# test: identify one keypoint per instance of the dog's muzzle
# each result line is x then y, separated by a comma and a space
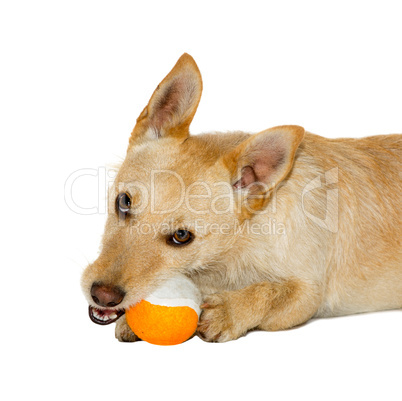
107, 297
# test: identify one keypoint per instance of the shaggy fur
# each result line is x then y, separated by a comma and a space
330, 208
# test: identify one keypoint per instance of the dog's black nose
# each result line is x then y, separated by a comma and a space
107, 296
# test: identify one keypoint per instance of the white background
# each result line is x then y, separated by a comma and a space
74, 77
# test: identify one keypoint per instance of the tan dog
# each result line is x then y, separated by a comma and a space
274, 228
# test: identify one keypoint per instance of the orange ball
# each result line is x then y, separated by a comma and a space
162, 325
168, 316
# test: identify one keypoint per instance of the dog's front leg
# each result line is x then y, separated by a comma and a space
123, 332
267, 306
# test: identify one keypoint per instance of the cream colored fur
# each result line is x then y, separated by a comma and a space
333, 207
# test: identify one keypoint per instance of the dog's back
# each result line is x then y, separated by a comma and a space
365, 271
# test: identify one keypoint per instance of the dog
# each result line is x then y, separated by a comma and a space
274, 228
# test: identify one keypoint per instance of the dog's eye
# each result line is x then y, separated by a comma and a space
123, 203
180, 237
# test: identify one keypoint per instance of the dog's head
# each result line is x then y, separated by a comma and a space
177, 199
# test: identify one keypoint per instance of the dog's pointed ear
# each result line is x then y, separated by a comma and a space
262, 161
172, 105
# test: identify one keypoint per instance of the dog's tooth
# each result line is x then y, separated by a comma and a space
104, 317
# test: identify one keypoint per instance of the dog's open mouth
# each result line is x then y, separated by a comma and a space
104, 316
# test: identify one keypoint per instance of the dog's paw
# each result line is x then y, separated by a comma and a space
123, 332
218, 321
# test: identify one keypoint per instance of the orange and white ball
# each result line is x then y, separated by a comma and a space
169, 315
